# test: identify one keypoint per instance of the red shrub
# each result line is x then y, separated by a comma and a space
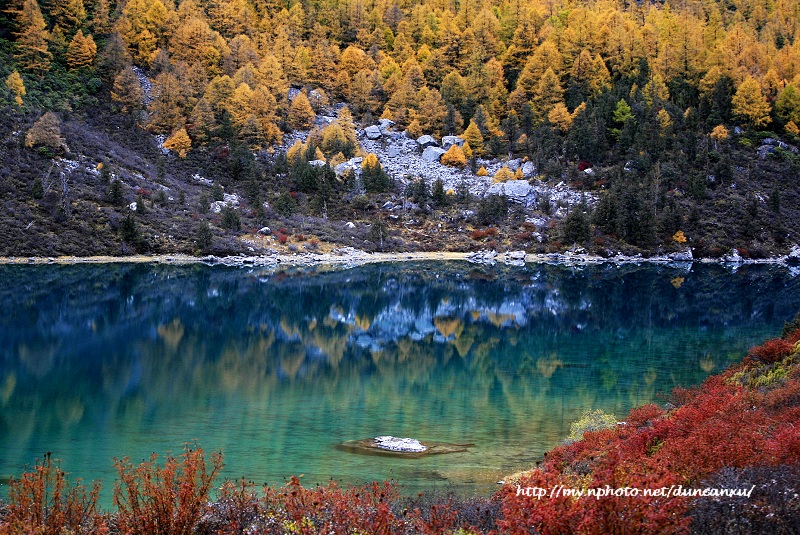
299, 237
772, 350
164, 500
282, 238
43, 502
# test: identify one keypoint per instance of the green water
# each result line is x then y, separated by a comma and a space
276, 368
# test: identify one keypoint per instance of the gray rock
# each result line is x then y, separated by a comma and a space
373, 132
514, 164
794, 255
432, 154
350, 225
385, 124
394, 151
733, 257
132, 206
517, 191
388, 205
265, 230
449, 141
516, 255
317, 163
426, 141
682, 256
528, 169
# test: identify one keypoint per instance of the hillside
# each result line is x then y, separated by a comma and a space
616, 127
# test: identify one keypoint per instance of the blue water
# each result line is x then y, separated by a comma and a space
275, 368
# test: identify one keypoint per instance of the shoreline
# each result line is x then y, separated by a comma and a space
354, 257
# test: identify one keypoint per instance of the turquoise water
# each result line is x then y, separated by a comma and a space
276, 368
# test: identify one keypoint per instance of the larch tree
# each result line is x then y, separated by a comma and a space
32, 53
548, 93
166, 109
179, 142
68, 14
472, 135
81, 51
750, 104
127, 91
45, 131
787, 105
17, 86
301, 115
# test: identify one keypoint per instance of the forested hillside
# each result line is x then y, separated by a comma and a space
679, 120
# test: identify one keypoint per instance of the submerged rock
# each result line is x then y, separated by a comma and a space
402, 447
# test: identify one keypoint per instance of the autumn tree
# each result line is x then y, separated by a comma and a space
17, 86
166, 109
750, 104
68, 14
179, 142
127, 90
301, 115
454, 157
472, 136
787, 105
46, 131
32, 53
81, 51
719, 133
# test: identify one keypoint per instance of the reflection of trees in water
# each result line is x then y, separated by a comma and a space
137, 342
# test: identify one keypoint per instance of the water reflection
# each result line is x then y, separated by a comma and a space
276, 368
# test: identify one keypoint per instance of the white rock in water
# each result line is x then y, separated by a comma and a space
132, 206
391, 443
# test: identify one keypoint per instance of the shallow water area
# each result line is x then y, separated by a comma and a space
276, 367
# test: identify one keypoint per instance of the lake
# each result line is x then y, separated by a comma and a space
276, 367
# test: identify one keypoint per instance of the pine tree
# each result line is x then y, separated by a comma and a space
81, 51
32, 53
15, 83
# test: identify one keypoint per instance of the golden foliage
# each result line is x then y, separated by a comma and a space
454, 157
17, 86
482, 171
750, 104
679, 237
127, 90
81, 51
503, 174
301, 115
179, 142
45, 131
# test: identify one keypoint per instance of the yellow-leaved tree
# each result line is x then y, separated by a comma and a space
17, 86
301, 115
179, 142
750, 104
454, 157
81, 51
32, 53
